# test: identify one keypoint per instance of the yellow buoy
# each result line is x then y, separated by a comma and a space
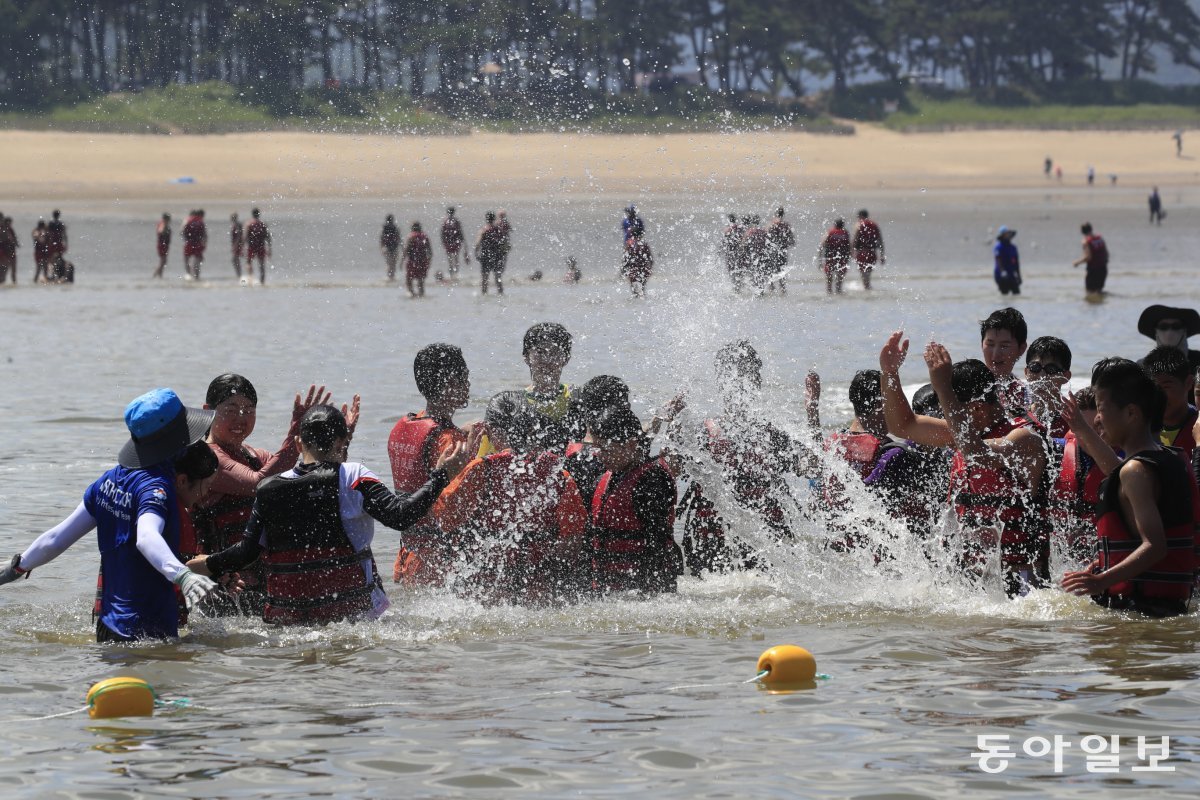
120, 697
787, 664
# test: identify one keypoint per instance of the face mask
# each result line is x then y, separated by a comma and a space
1171, 337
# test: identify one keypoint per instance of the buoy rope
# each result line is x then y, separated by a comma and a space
48, 716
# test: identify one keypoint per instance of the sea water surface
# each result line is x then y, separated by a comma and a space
446, 698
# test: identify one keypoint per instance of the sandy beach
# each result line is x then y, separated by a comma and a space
264, 166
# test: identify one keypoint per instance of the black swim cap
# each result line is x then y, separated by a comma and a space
226, 386
321, 426
509, 415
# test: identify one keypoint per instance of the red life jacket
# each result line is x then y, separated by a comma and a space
992, 513
756, 242
837, 246
314, 573
860, 450
749, 473
1073, 499
193, 230
867, 238
1171, 579
510, 539
626, 556
638, 261
1185, 440
1097, 251
417, 249
452, 234
491, 242
410, 449
256, 235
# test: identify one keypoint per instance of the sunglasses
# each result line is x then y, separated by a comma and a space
1050, 369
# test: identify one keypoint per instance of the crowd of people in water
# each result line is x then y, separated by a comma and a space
50, 245
561, 493
248, 242
491, 248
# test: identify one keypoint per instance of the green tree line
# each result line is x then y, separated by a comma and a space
777, 47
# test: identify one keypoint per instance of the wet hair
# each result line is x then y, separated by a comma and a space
925, 402
254, 212
1051, 347
450, 211
972, 381
1167, 361
416, 227
779, 212
866, 392
166, 215
490, 216
547, 333
390, 218
1085, 228
839, 223
509, 415
1128, 384
321, 426
733, 219
1005, 319
862, 213
56, 213
435, 366
601, 393
200, 211
41, 223
739, 358
1085, 398
616, 425
226, 386
197, 462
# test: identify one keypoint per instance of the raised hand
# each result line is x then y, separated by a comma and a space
941, 367
315, 397
350, 412
894, 351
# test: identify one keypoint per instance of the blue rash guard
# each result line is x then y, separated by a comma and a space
137, 601
1008, 262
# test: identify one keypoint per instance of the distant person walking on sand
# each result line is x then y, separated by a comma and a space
1091, 175
56, 235
1178, 137
41, 253
489, 252
638, 263
834, 255
780, 239
8, 249
162, 243
868, 246
1047, 166
195, 240
732, 245
258, 245
237, 240
1095, 255
1007, 269
754, 240
418, 253
452, 241
505, 228
1156, 208
389, 245
631, 224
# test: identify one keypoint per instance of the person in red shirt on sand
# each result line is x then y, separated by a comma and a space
868, 247
835, 255
258, 245
418, 253
162, 243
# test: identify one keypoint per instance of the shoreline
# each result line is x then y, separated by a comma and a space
281, 165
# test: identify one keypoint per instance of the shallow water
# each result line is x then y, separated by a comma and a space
446, 698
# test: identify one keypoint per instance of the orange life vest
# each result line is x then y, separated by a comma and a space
625, 555
410, 450
1073, 499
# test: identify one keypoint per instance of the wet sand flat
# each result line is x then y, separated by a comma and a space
263, 166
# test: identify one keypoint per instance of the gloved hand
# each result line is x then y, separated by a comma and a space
194, 587
13, 570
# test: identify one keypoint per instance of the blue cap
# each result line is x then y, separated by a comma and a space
150, 413
160, 426
1005, 229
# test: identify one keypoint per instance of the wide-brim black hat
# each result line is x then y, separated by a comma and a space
1153, 315
185, 429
